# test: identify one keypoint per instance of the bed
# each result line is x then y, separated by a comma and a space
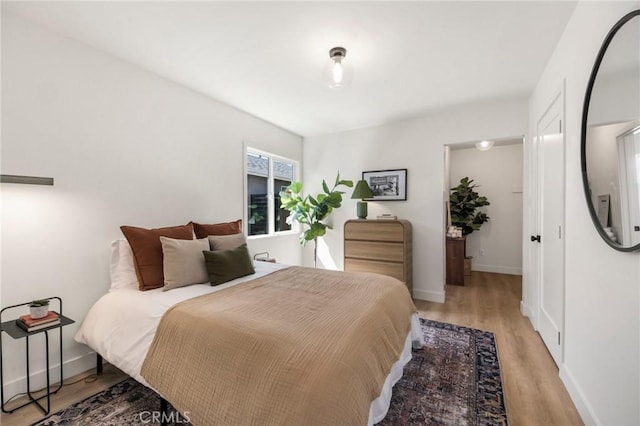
133, 330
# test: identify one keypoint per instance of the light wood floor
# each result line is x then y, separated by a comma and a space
533, 390
69, 394
534, 393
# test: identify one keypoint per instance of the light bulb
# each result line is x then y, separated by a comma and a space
484, 145
338, 73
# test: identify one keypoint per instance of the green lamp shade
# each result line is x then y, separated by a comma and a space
362, 190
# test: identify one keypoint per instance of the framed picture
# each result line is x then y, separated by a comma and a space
387, 185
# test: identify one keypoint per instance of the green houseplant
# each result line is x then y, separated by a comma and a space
312, 211
465, 203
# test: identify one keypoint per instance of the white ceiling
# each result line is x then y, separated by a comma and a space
267, 58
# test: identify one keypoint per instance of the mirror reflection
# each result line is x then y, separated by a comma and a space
612, 140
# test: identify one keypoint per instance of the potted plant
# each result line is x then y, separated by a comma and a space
465, 204
39, 308
311, 211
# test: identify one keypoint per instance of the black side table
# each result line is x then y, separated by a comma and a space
12, 329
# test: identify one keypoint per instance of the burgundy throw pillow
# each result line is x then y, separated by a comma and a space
225, 228
147, 251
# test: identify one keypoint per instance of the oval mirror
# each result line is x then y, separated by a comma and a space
610, 145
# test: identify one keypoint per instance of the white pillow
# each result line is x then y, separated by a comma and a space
183, 262
123, 272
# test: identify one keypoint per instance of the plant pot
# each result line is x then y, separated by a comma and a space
38, 311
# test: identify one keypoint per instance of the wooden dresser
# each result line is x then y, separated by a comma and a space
381, 246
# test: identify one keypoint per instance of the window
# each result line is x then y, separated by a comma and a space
267, 175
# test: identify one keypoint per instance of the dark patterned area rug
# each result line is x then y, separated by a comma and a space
453, 380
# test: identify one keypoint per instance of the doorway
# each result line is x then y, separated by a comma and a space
498, 173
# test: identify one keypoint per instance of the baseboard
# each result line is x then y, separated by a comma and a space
509, 270
526, 311
577, 396
431, 296
39, 378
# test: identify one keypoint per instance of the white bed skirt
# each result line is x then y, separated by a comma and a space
380, 405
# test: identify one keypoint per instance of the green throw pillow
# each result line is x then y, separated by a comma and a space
227, 265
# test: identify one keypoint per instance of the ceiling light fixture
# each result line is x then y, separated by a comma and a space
339, 72
484, 145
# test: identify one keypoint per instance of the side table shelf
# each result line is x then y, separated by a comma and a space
14, 331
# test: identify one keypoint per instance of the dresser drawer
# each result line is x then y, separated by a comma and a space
395, 270
374, 231
379, 246
390, 252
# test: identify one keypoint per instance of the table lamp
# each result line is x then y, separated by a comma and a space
361, 192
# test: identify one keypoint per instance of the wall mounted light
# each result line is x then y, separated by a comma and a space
484, 145
29, 180
339, 73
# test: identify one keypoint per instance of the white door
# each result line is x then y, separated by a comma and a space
550, 215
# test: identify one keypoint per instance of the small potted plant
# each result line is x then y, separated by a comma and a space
39, 308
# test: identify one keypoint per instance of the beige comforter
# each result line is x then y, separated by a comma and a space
297, 347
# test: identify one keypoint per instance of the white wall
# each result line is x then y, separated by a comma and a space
417, 145
601, 367
124, 147
497, 246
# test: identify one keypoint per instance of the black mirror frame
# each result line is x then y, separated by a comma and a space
583, 137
